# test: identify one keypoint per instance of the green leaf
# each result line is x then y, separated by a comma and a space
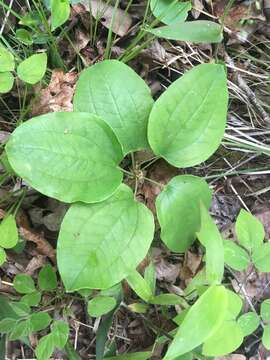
71, 352
178, 210
60, 10
20, 309
8, 232
139, 285
249, 230
47, 279
109, 239
166, 299
131, 356
71, 156
3, 256
138, 308
225, 340
6, 82
266, 337
7, 62
115, 92
101, 305
248, 322
188, 121
45, 347
150, 276
24, 284
60, 332
234, 256
235, 305
31, 299
207, 313
24, 36
199, 31
261, 257
170, 11
211, 239
20, 330
32, 69
265, 310
39, 321
7, 325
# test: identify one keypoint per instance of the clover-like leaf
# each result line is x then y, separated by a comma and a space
8, 232
100, 305
24, 284
249, 322
100, 244
7, 62
249, 230
211, 239
199, 31
170, 11
32, 69
68, 156
6, 82
115, 92
47, 279
60, 332
178, 210
235, 256
187, 122
261, 257
208, 314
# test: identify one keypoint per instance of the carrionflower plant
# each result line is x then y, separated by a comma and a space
76, 158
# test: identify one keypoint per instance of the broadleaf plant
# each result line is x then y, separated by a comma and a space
76, 157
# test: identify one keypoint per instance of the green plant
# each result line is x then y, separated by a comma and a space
75, 157
31, 70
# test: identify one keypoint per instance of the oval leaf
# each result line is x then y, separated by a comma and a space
234, 256
100, 305
199, 31
110, 239
24, 284
7, 62
188, 121
47, 279
33, 68
115, 92
60, 10
249, 230
208, 314
178, 210
6, 82
265, 310
261, 257
248, 322
170, 11
67, 156
8, 232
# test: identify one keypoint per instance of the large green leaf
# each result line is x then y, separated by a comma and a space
32, 69
115, 92
100, 244
200, 323
68, 156
211, 239
199, 31
188, 121
249, 230
170, 11
178, 210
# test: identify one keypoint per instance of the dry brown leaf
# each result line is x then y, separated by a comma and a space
58, 95
104, 12
192, 261
166, 271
